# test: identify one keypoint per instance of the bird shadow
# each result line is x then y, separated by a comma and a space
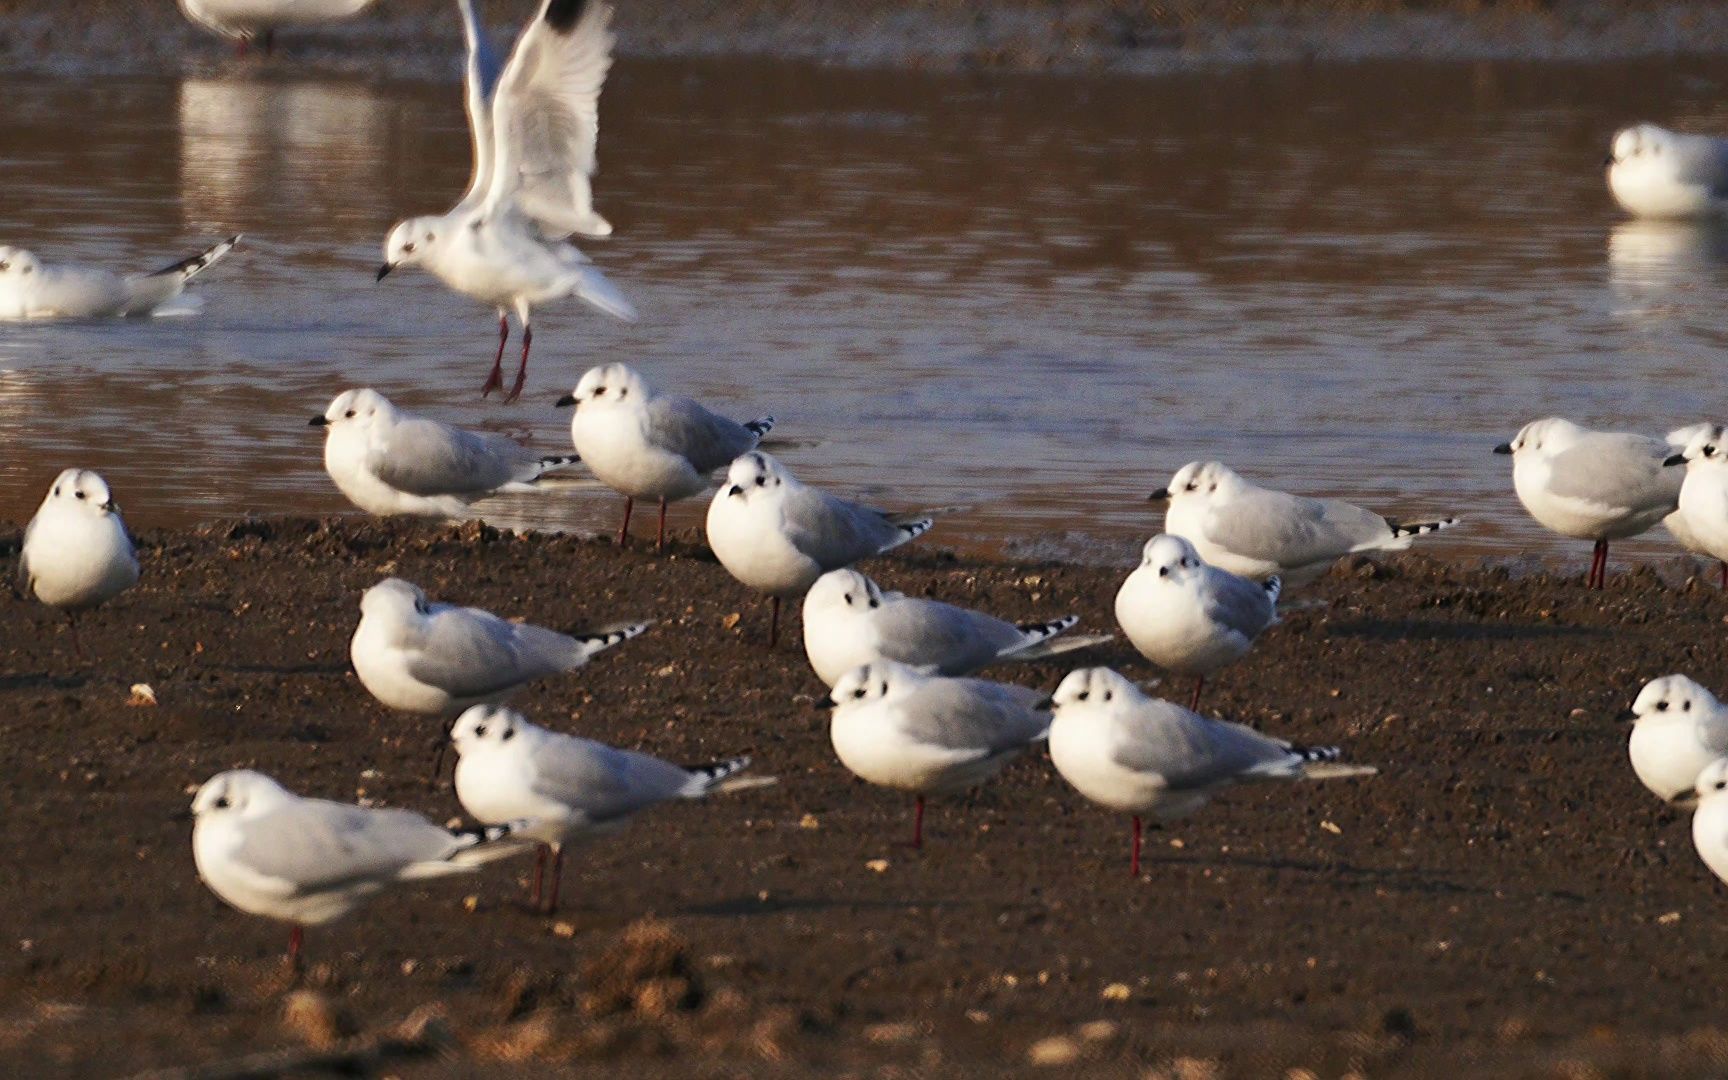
1453, 630
775, 905
43, 681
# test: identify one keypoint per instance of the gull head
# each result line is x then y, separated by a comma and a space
1672, 696
1639, 140
1197, 481
17, 265
1171, 556
1093, 687
608, 384
410, 241
1713, 781
356, 410
395, 600
238, 793
81, 491
490, 726
878, 681
843, 591
1706, 447
753, 475
1542, 438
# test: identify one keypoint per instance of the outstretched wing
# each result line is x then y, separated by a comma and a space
546, 118
480, 80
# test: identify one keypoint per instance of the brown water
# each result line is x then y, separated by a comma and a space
1039, 295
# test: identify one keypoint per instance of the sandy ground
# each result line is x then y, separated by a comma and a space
1504, 899
420, 38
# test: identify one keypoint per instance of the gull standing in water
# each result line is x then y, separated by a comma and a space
534, 127
1657, 173
1679, 526
32, 289
258, 20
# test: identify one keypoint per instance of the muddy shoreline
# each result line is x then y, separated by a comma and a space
419, 37
1505, 898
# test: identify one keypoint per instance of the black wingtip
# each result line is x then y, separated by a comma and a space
562, 15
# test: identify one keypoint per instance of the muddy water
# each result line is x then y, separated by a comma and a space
1038, 295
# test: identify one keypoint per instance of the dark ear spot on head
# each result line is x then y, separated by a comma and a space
509, 733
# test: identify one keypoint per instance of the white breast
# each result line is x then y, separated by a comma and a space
1168, 625
1667, 755
748, 540
610, 442
77, 560
837, 641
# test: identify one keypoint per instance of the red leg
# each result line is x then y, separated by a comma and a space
918, 824
269, 42
522, 368
1194, 702
296, 938
540, 853
557, 879
774, 622
624, 529
1599, 567
1134, 859
660, 541
240, 47
495, 381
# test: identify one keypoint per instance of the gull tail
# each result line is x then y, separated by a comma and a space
760, 427
717, 777
907, 531
532, 470
1403, 532
1322, 763
147, 292
595, 288
1039, 641
475, 848
594, 641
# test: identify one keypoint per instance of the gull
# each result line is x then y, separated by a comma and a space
1678, 728
1256, 532
1130, 752
29, 289
438, 659
249, 20
1677, 524
1710, 823
534, 128
647, 445
1188, 617
307, 862
778, 536
1657, 173
898, 727
849, 620
388, 461
508, 769
1592, 485
76, 553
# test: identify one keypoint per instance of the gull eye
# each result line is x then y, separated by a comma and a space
509, 733
599, 391
884, 688
875, 603
1661, 706
79, 494
1191, 486
480, 730
1686, 706
56, 492
222, 803
349, 414
431, 237
848, 599
1720, 784
1106, 695
1709, 451
1082, 695
1163, 571
408, 247
5, 266
858, 692
622, 391
761, 481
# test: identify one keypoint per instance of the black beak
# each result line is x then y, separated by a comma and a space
823, 702
1676, 459
1161, 495
734, 490
1627, 716
384, 271
111, 507
565, 402
318, 421
1045, 704
1503, 448
1607, 161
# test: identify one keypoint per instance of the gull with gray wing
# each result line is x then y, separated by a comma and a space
508, 769
1152, 758
900, 728
76, 553
390, 461
32, 289
647, 445
1657, 173
1678, 728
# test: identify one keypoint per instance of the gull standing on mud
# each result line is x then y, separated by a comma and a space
1592, 485
258, 20
1700, 522
534, 129
849, 621
647, 445
30, 289
307, 862
389, 461
1676, 523
508, 769
1130, 752
1710, 822
1188, 617
1678, 728
76, 552
438, 659
1657, 173
927, 734
1257, 533
778, 536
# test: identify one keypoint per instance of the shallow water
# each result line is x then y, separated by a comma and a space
1036, 294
